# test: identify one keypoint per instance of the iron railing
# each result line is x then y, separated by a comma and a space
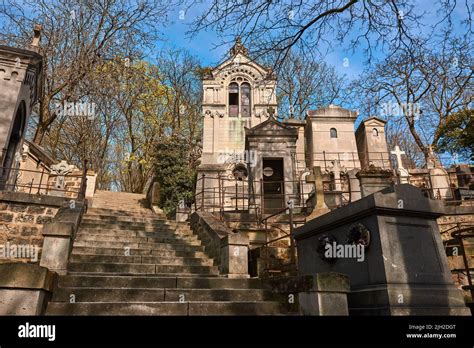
16, 179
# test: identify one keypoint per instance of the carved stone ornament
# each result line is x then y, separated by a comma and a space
324, 240
359, 234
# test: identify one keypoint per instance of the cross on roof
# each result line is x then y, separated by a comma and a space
398, 153
271, 111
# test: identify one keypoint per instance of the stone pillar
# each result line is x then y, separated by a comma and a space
56, 246
326, 294
58, 237
373, 180
354, 184
440, 183
234, 256
25, 288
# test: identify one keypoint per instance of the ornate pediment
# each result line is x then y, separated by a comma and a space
374, 122
271, 127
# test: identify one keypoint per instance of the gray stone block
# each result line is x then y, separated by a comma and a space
405, 268
24, 288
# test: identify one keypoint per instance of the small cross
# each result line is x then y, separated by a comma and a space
271, 111
337, 169
398, 153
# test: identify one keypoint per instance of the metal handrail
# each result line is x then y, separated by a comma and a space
41, 188
460, 235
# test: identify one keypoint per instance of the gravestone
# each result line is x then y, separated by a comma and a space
60, 170
402, 172
182, 211
373, 179
403, 269
354, 184
439, 177
333, 197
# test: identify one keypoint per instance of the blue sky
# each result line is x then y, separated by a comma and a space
203, 45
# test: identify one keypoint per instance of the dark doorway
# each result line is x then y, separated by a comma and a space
13, 145
273, 185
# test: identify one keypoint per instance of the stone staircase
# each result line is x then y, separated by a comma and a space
130, 261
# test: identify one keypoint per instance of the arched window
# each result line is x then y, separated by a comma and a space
245, 99
333, 133
375, 132
233, 99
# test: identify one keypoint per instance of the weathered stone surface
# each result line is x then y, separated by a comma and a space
17, 208
22, 302
234, 256
5, 217
43, 219
23, 218
36, 209
58, 237
405, 255
25, 276
145, 279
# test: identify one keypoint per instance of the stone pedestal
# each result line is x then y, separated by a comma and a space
317, 294
403, 175
57, 246
354, 184
58, 237
182, 213
440, 183
333, 199
325, 295
374, 180
234, 256
404, 270
25, 288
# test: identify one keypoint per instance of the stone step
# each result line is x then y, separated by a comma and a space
133, 227
80, 250
162, 275
125, 218
120, 212
137, 233
171, 308
127, 268
101, 238
127, 222
131, 295
176, 261
117, 281
154, 246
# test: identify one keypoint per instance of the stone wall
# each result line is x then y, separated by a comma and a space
22, 217
463, 215
72, 184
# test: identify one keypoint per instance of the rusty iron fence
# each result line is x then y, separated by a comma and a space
16, 179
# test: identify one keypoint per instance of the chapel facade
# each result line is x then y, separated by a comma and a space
248, 152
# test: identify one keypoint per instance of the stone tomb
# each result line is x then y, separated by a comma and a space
404, 270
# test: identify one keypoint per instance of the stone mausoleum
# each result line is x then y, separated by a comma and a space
244, 142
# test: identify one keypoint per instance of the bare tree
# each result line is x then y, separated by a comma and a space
279, 26
423, 86
305, 83
76, 37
